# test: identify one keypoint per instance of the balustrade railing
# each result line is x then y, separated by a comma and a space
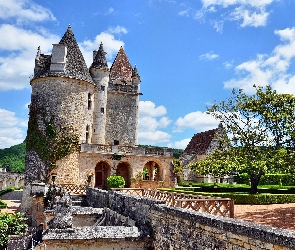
74, 189
208, 204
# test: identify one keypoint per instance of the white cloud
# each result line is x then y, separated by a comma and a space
149, 124
179, 144
183, 13
117, 30
249, 17
21, 46
24, 10
218, 26
11, 132
109, 11
228, 64
148, 108
269, 69
198, 121
248, 12
208, 56
110, 44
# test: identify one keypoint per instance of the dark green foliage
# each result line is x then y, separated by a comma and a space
3, 204
13, 158
268, 179
177, 153
11, 224
266, 196
115, 181
258, 199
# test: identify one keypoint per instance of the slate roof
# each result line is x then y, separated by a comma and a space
100, 61
121, 67
135, 73
75, 63
200, 142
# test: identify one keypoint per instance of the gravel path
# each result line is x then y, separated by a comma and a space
276, 215
13, 200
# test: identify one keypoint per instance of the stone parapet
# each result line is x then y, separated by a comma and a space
186, 229
98, 148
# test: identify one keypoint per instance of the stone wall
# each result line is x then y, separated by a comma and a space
185, 229
8, 179
177, 228
121, 122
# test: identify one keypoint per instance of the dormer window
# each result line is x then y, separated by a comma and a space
89, 101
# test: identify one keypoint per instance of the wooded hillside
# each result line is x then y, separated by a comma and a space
13, 158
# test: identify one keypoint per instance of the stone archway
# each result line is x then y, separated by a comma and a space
124, 170
155, 172
102, 172
21, 183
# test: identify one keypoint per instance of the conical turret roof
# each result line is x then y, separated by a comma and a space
75, 64
100, 61
121, 68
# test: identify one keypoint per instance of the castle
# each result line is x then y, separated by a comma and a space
100, 106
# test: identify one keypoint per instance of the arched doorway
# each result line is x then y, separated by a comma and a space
102, 172
124, 170
154, 172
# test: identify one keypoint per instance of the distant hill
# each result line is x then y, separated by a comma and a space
13, 158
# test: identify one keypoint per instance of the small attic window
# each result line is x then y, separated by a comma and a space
116, 142
89, 101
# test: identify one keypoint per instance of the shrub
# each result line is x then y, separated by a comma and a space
115, 181
11, 224
3, 204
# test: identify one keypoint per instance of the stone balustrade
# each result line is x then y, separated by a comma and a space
99, 148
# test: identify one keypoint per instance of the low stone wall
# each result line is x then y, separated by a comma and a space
93, 238
177, 228
187, 229
136, 208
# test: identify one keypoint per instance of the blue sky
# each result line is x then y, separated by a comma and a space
188, 53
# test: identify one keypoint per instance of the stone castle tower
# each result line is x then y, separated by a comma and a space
100, 106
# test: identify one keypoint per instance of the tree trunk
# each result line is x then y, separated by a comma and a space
254, 183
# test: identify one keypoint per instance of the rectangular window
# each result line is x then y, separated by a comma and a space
102, 110
116, 142
102, 88
89, 101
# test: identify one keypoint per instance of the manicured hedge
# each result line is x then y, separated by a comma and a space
258, 199
268, 179
245, 198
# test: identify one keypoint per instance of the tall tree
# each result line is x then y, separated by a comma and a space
260, 131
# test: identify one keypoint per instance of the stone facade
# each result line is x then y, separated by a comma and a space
8, 179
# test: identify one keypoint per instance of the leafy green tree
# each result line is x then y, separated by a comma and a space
260, 135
